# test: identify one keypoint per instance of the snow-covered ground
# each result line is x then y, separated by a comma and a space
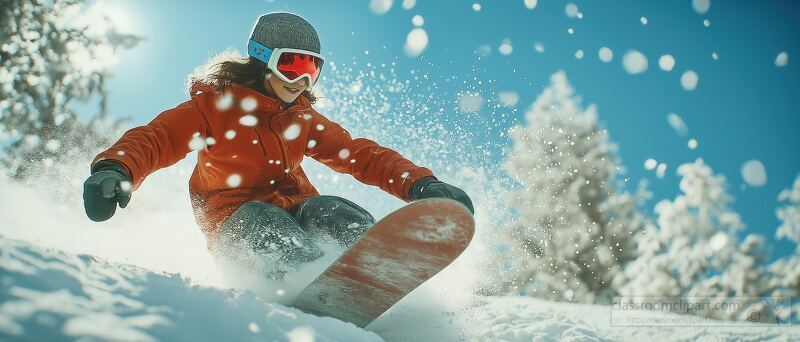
52, 295
146, 274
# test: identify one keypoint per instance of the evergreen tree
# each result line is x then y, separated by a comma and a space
695, 251
785, 272
574, 231
52, 54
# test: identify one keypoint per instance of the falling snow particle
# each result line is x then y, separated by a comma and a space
417, 20
605, 54
782, 59
643, 20
210, 141
531, 4
355, 87
539, 47
234, 180
404, 175
714, 56
754, 173
707, 23
197, 143
571, 10
249, 104
344, 153
408, 4
320, 127
689, 80
120, 153
634, 62
570, 31
505, 47
248, 120
470, 102
230, 134
416, 42
476, 7
224, 102
692, 144
59, 119
661, 170
254, 328
292, 132
509, 98
311, 143
677, 123
579, 54
701, 6
52, 145
380, 7
666, 62
650, 164
125, 186
280, 292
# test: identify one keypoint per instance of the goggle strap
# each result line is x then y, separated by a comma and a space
259, 51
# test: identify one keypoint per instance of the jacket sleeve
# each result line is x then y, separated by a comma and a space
364, 159
162, 142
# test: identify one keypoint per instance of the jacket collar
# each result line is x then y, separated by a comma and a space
263, 103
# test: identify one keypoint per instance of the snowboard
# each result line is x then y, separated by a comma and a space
395, 256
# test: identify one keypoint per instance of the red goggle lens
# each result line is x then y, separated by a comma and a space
293, 65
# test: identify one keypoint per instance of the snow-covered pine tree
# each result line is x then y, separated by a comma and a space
785, 272
52, 53
789, 214
695, 251
573, 231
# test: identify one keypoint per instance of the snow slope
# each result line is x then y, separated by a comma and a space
52, 290
51, 295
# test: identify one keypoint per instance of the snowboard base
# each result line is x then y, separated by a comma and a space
396, 255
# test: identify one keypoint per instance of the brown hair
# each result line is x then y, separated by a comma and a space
229, 67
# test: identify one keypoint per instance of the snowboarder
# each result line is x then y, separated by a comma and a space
251, 120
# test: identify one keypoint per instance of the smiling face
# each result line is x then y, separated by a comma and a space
286, 91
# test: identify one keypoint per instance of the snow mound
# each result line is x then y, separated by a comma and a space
48, 295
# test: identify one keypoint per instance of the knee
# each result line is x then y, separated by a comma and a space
256, 214
257, 209
330, 205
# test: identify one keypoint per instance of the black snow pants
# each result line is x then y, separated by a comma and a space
269, 229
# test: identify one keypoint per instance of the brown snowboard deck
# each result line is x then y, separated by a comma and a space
399, 253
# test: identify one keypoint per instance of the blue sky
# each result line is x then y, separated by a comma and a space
743, 108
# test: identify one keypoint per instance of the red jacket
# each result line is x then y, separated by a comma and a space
250, 148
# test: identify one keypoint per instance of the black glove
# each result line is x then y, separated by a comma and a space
430, 187
108, 185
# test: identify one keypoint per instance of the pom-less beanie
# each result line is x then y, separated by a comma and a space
285, 30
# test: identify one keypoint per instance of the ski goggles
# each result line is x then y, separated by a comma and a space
290, 65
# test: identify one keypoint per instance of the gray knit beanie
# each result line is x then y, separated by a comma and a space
285, 30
